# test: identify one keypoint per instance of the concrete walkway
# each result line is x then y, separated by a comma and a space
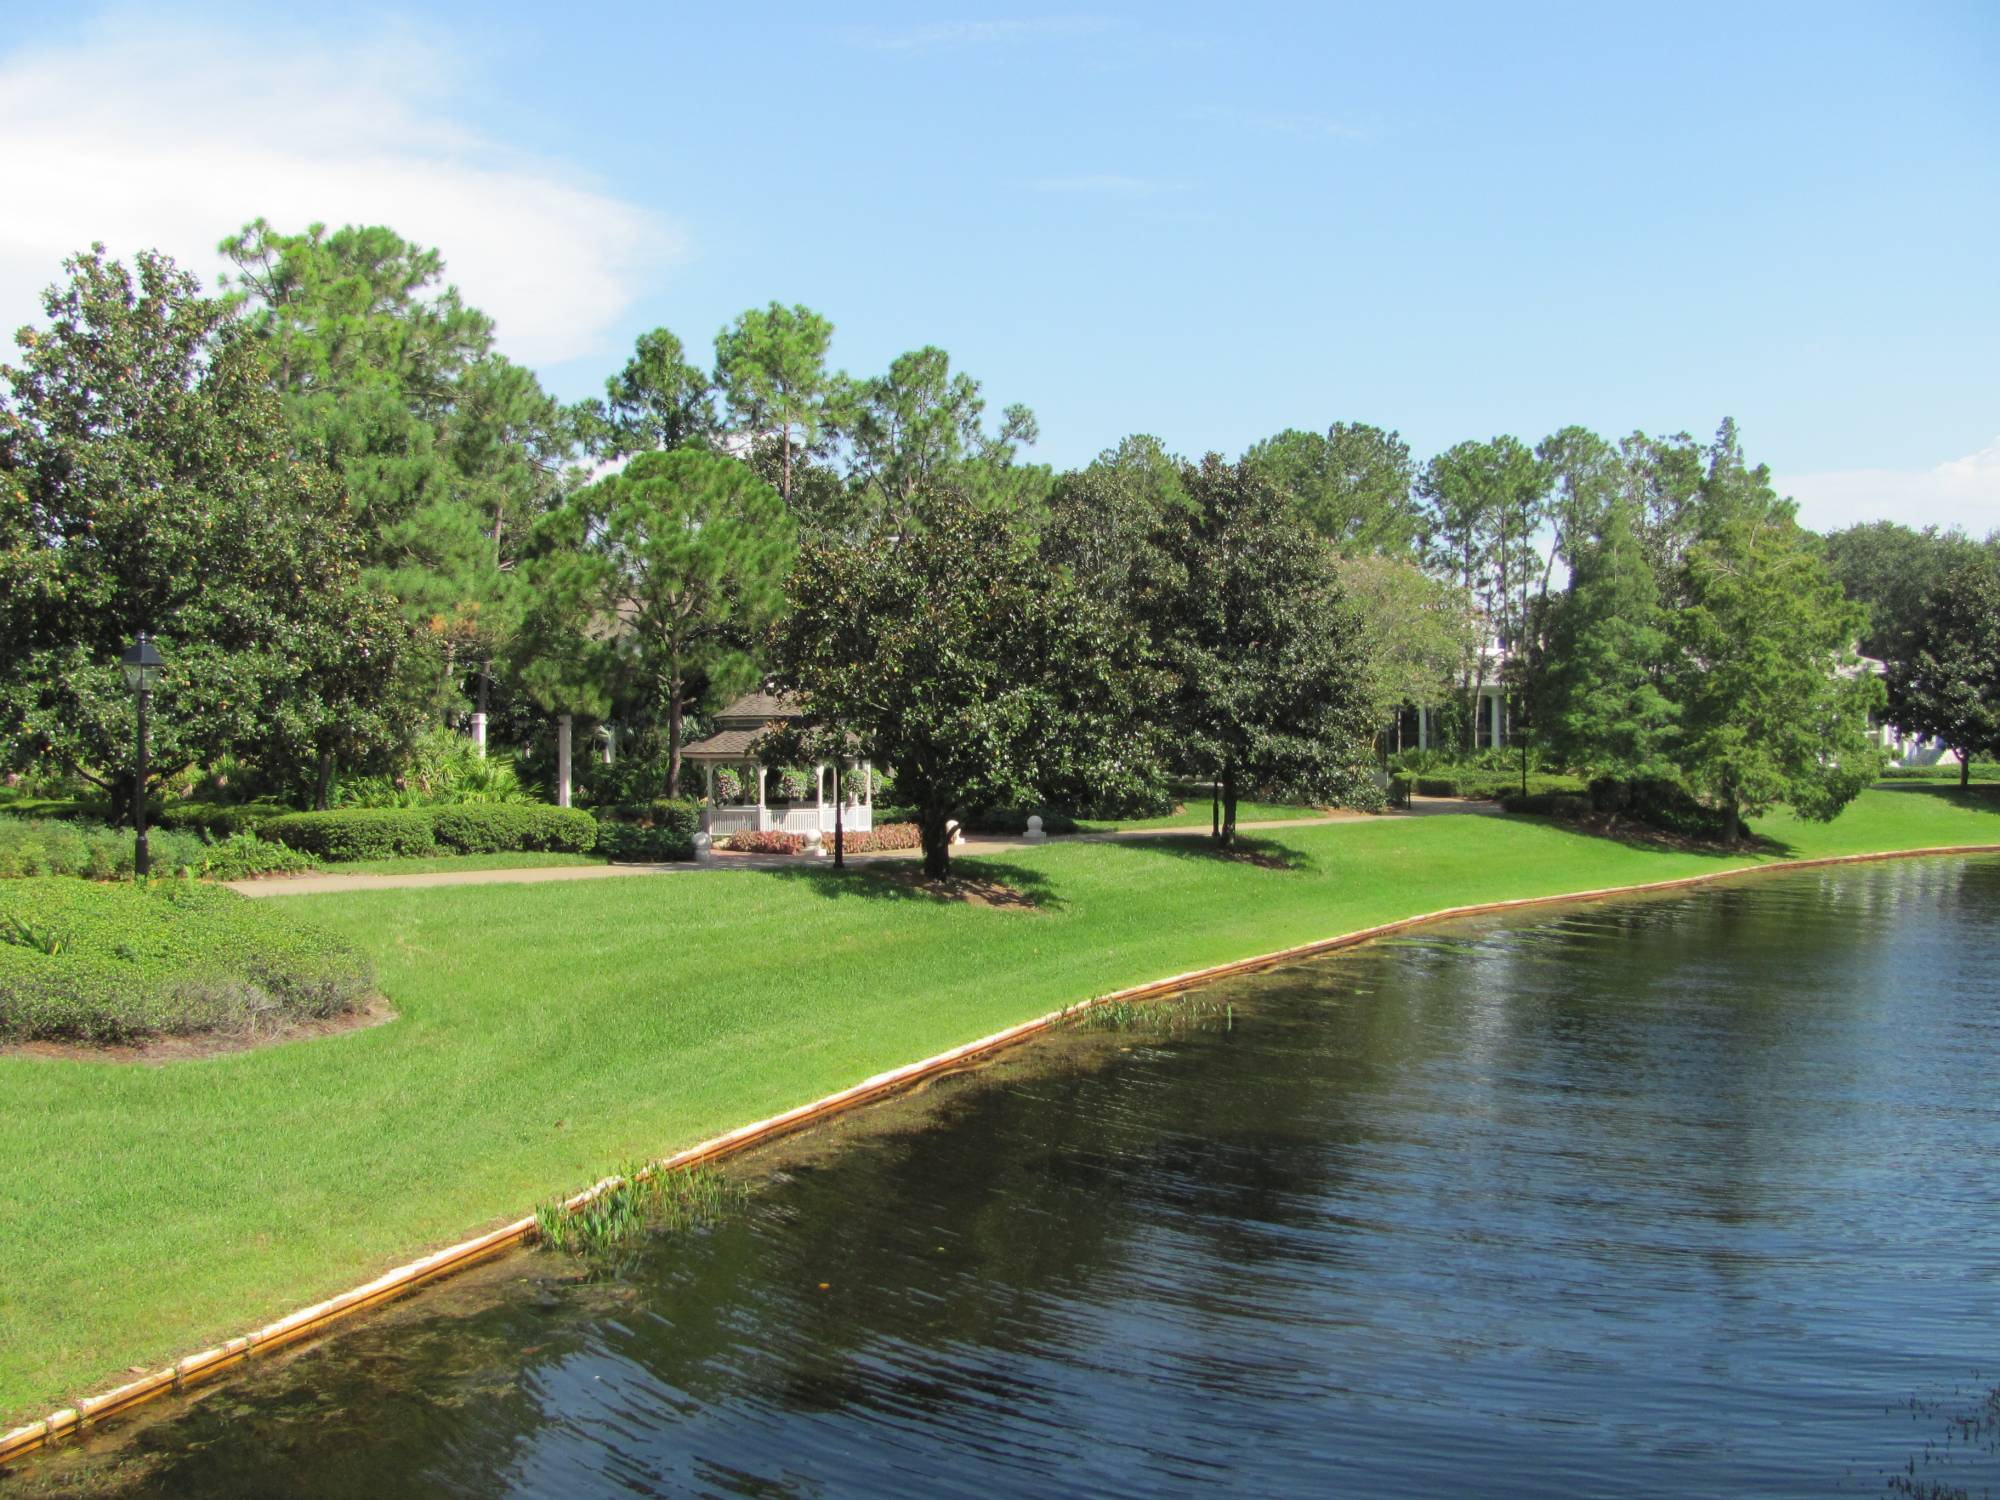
974, 845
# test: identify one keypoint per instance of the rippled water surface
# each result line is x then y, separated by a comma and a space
1673, 1197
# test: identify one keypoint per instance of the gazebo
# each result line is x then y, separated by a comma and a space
738, 728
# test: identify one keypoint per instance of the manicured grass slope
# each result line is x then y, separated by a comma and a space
548, 1032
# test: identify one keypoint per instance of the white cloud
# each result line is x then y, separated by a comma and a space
1961, 492
144, 137
1111, 184
976, 33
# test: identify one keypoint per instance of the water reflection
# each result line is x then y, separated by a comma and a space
1687, 1195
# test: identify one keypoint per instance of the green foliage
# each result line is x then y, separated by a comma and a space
148, 482
113, 963
657, 401
920, 426
358, 833
1267, 658
686, 552
651, 833
493, 828
215, 819
36, 846
770, 366
441, 769
1949, 686
955, 656
1352, 486
1601, 702
1761, 631
1894, 570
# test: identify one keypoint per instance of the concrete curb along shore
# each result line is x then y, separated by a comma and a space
309, 1321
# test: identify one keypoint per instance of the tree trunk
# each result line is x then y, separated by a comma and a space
563, 722
839, 823
323, 782
674, 738
1964, 768
934, 825
1229, 804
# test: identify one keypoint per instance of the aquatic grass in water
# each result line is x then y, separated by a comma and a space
1175, 1014
640, 1200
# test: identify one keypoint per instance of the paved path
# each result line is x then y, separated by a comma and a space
322, 884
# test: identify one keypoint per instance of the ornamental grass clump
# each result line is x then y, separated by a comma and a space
86, 962
641, 1199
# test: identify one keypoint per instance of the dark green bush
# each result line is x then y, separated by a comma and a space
355, 833
1664, 805
217, 819
1013, 821
1565, 806
643, 844
110, 963
498, 827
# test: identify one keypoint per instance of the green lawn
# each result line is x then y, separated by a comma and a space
438, 864
548, 1032
1195, 814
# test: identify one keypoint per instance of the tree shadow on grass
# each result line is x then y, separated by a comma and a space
977, 882
1982, 796
1635, 835
1258, 853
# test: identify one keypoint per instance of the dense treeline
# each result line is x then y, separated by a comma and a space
355, 524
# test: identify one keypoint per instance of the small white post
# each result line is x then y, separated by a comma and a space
1496, 720
819, 796
704, 849
563, 722
1034, 835
479, 735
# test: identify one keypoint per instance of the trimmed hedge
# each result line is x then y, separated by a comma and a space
112, 963
1982, 770
496, 827
356, 833
461, 828
1488, 786
1563, 806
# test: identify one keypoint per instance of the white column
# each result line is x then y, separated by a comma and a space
868, 784
562, 759
763, 814
479, 735
819, 797
1496, 721
1423, 728
707, 795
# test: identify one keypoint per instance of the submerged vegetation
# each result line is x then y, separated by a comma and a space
1187, 1011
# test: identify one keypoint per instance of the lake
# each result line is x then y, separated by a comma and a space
1670, 1196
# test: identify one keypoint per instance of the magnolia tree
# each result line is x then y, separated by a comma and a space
954, 656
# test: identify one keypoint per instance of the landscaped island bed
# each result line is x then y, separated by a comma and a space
548, 1032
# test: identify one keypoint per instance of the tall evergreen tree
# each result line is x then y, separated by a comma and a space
1602, 705
770, 365
1352, 485
1767, 715
659, 400
679, 561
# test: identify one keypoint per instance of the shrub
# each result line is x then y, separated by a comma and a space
1982, 770
1014, 820
355, 833
244, 855
1664, 805
217, 819
111, 963
886, 836
767, 841
45, 846
1569, 807
493, 828
642, 843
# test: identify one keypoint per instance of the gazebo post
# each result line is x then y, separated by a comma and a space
763, 813
707, 796
819, 798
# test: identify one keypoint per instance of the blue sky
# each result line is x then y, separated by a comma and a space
1205, 225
